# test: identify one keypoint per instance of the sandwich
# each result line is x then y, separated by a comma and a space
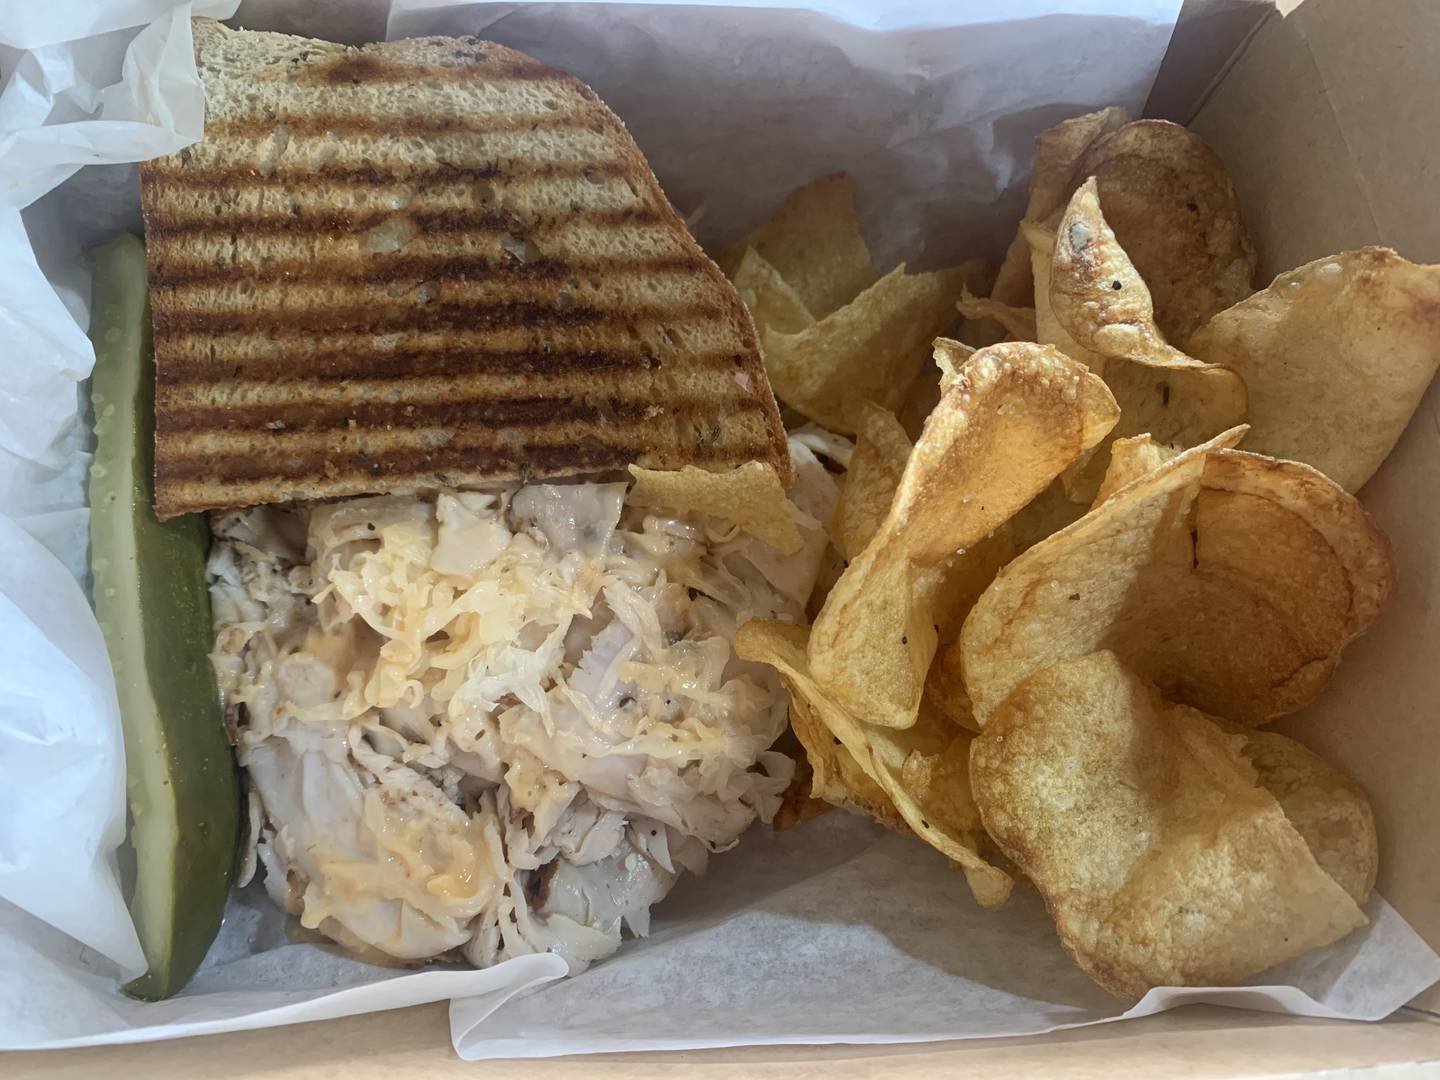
420, 311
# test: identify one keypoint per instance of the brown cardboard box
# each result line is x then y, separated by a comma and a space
1328, 119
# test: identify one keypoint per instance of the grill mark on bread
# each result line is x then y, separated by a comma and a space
400, 267
428, 221
410, 365
515, 413
388, 172
354, 68
376, 318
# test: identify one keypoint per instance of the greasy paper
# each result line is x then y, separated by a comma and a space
932, 106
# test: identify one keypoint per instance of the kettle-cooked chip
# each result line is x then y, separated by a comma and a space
1327, 808
836, 777
1170, 201
750, 495
1052, 178
770, 298
966, 580
1101, 299
1017, 322
920, 770
870, 348
797, 805
813, 240
1100, 303
876, 465
1336, 355
950, 357
1131, 459
1231, 581
1161, 859
1016, 416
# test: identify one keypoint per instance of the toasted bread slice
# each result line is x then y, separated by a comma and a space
426, 263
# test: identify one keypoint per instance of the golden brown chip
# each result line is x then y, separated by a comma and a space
750, 496
950, 356
1131, 459
919, 402
813, 240
836, 779
939, 809
1049, 512
1099, 302
1048, 328
871, 348
1179, 405
1098, 295
1016, 416
876, 465
1231, 581
1052, 179
1016, 410
1336, 355
1327, 808
966, 579
1160, 858
771, 300
797, 806
1170, 201
1018, 322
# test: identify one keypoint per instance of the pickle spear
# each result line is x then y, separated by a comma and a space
153, 606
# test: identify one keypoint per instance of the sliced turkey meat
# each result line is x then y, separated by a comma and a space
496, 723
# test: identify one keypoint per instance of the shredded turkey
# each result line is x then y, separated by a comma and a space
497, 723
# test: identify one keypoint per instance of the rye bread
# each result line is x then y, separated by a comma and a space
425, 263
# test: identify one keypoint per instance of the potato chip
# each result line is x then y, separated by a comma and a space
1183, 406
1098, 295
1101, 304
878, 462
1015, 411
1231, 581
919, 401
771, 300
751, 496
950, 356
1016, 415
1048, 329
813, 240
1327, 808
836, 778
1160, 858
1336, 355
1170, 201
1018, 322
1052, 179
966, 579
871, 348
939, 809
797, 806
1131, 459
1049, 512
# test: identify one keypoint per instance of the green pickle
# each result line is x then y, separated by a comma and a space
153, 606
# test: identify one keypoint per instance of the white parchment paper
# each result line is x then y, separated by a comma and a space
932, 105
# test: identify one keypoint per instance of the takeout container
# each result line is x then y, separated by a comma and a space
1325, 118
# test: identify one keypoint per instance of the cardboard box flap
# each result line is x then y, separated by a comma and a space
1209, 37
1316, 122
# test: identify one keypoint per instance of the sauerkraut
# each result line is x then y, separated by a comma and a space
501, 722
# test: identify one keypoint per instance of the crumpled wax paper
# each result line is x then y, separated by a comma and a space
932, 105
